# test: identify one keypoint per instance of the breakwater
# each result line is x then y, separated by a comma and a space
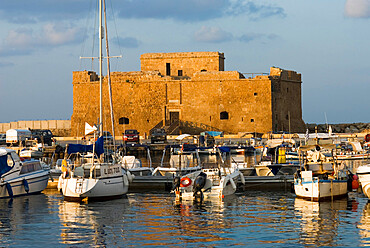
358, 127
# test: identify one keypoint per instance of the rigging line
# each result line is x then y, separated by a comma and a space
109, 79
115, 26
85, 33
94, 35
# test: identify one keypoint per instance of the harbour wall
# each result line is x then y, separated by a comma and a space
62, 128
57, 127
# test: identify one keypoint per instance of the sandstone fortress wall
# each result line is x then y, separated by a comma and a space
189, 93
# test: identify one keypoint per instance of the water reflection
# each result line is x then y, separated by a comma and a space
21, 217
91, 223
364, 225
320, 221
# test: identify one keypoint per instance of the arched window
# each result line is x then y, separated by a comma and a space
224, 115
124, 120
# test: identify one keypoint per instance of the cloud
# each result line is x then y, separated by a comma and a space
195, 10
357, 8
28, 12
6, 64
128, 42
254, 36
217, 35
212, 34
25, 11
24, 41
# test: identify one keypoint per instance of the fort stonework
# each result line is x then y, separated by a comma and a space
190, 93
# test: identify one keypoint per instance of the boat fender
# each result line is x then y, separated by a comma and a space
130, 177
125, 180
355, 184
232, 183
9, 189
242, 178
64, 165
226, 180
25, 184
185, 182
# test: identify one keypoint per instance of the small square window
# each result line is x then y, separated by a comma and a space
255, 94
252, 120
179, 73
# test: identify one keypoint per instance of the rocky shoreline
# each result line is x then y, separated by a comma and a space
340, 128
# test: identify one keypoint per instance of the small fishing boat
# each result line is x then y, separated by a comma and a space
208, 183
353, 151
20, 178
321, 179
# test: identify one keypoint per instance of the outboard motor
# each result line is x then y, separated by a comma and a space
176, 183
199, 184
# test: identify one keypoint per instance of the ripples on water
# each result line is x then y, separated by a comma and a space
265, 219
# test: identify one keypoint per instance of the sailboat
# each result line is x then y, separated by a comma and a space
92, 176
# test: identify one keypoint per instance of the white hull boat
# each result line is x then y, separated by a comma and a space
20, 178
109, 181
363, 173
211, 183
317, 189
100, 177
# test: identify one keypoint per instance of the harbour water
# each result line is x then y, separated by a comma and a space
253, 219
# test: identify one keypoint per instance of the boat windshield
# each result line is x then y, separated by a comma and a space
15, 157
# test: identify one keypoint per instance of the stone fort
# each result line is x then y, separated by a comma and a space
189, 92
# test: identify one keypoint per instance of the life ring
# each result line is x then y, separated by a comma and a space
185, 182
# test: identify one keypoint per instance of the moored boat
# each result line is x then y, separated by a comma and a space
209, 183
321, 179
91, 178
20, 178
363, 173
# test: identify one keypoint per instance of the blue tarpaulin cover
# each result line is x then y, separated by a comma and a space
99, 147
214, 133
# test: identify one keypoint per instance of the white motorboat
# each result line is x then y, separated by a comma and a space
135, 165
20, 178
99, 176
183, 160
320, 180
363, 173
209, 183
31, 152
267, 168
236, 157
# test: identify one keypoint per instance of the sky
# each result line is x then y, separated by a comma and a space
327, 41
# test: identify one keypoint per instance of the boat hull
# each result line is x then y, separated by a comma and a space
320, 190
35, 182
107, 186
363, 173
226, 186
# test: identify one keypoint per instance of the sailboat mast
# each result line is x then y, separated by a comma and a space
109, 80
101, 66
